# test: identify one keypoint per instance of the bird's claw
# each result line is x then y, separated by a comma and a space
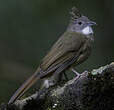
85, 72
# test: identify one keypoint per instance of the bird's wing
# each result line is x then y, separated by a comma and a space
63, 50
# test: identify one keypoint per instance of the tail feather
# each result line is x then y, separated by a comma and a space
27, 84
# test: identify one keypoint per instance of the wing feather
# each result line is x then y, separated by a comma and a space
63, 50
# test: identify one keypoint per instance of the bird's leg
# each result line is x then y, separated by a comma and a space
74, 71
77, 74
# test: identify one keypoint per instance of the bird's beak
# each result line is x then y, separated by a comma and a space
91, 23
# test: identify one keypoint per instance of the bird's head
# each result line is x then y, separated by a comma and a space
80, 23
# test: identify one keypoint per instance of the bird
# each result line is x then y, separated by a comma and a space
71, 49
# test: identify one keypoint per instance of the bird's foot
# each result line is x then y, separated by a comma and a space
85, 73
78, 75
82, 74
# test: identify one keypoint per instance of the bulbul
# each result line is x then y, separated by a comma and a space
71, 49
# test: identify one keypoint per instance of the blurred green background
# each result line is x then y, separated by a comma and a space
28, 28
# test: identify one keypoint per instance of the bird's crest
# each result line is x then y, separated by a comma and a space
75, 14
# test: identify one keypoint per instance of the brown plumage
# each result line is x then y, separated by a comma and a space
71, 49
69, 45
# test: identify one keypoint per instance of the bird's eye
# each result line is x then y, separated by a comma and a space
79, 23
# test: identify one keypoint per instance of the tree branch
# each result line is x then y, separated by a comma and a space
91, 91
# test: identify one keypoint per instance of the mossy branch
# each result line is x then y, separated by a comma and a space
92, 91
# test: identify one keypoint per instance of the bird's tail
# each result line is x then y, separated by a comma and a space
25, 86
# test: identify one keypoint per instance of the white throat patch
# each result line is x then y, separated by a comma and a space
87, 30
